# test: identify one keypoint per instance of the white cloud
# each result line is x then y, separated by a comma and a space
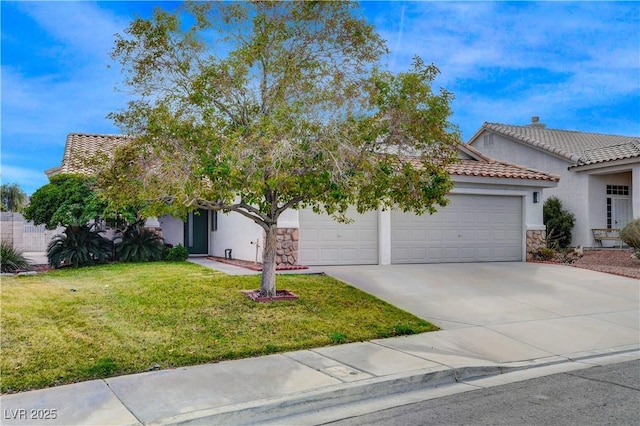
82, 27
508, 61
66, 87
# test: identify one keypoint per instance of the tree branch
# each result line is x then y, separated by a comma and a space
288, 204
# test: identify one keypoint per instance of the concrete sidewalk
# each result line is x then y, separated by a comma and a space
275, 387
285, 388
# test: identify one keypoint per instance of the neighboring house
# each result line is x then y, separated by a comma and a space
599, 174
493, 216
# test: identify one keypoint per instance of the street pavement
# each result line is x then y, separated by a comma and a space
500, 321
600, 395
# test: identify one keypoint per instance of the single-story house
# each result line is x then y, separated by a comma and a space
599, 173
494, 215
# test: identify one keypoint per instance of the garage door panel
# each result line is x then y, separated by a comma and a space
417, 235
483, 234
348, 235
328, 254
354, 243
328, 234
472, 228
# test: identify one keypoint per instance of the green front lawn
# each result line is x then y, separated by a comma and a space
80, 324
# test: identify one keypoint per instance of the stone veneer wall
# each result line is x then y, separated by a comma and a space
536, 239
287, 247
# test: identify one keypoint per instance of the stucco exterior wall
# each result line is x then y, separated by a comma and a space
236, 232
635, 191
172, 230
572, 190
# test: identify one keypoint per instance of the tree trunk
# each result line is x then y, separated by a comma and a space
268, 285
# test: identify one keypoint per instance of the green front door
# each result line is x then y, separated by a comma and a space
196, 231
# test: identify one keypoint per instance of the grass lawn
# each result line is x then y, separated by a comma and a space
79, 324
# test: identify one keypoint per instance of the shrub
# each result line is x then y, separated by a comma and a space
137, 244
544, 253
178, 253
79, 246
559, 223
11, 259
630, 234
67, 200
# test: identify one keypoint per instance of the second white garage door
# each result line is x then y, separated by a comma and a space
324, 241
472, 228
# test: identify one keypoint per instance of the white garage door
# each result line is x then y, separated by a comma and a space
324, 241
472, 228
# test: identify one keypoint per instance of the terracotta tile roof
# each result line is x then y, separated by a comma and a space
483, 166
578, 147
499, 169
80, 147
630, 149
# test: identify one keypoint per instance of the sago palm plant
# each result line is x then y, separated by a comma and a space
79, 246
137, 244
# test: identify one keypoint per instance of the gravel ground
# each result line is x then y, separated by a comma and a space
619, 262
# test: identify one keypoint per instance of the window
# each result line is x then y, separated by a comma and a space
487, 140
214, 221
617, 190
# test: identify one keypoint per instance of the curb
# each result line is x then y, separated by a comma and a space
272, 409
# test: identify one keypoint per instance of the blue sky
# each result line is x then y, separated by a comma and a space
574, 64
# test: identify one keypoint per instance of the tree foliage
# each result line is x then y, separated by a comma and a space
67, 200
258, 107
12, 197
72, 199
559, 223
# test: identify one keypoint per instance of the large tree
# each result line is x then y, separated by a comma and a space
259, 107
12, 197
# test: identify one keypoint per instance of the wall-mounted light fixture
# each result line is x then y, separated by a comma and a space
536, 197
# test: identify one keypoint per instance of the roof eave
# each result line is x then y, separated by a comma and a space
508, 181
605, 164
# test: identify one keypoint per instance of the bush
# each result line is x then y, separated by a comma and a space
559, 223
79, 246
630, 234
11, 259
67, 200
544, 253
138, 244
178, 253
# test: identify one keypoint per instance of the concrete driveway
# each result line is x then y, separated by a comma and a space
509, 311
